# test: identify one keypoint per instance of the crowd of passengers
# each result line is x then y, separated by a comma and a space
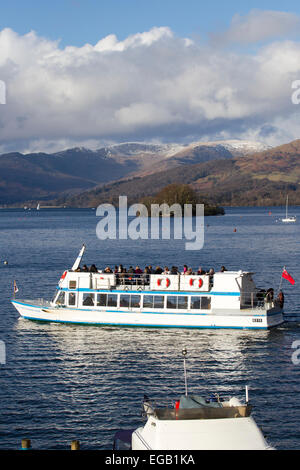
130, 275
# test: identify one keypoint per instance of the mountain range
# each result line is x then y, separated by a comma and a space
224, 172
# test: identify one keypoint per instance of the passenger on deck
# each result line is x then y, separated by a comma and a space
151, 269
185, 268
270, 295
158, 270
85, 269
201, 271
146, 276
129, 279
280, 298
166, 270
189, 272
174, 270
107, 270
211, 272
223, 269
93, 269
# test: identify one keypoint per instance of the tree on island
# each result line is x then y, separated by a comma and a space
181, 194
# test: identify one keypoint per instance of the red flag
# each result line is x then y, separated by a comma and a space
288, 277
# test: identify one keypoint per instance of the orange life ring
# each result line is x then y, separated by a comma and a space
200, 283
158, 282
191, 282
167, 282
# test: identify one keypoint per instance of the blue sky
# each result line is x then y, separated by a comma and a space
92, 73
77, 22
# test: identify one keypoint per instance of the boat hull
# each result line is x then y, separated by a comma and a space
238, 319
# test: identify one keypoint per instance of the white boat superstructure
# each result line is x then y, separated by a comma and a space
288, 218
226, 299
196, 423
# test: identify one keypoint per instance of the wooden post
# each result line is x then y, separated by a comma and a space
75, 445
26, 444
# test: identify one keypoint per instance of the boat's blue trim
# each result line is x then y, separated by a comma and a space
150, 292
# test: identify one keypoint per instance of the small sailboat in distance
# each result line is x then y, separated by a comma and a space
288, 218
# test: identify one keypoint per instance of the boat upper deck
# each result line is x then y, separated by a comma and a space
228, 281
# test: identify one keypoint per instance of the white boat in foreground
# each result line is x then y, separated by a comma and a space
226, 299
195, 423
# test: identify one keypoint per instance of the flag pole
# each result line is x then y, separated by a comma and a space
280, 284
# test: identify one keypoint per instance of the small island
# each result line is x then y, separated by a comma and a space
181, 194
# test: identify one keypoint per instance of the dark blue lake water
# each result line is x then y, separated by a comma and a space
63, 382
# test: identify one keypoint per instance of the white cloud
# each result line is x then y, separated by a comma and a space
152, 85
258, 26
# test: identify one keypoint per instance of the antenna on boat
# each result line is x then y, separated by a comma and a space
184, 353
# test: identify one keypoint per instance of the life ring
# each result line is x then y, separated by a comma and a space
63, 275
191, 282
200, 283
167, 282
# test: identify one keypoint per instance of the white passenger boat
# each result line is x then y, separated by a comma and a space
226, 299
195, 423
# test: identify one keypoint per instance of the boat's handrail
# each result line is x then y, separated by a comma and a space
241, 411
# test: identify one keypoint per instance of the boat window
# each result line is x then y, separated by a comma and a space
205, 303
148, 301
72, 298
112, 300
124, 300
101, 300
159, 301
199, 303
135, 301
171, 302
60, 299
195, 303
88, 299
130, 301
182, 302
153, 301
72, 285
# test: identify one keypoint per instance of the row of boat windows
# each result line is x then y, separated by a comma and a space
136, 301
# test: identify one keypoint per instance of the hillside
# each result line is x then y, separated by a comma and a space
42, 176
263, 178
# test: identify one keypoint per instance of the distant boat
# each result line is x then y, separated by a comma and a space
38, 207
288, 218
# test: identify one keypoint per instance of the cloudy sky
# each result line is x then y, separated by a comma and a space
97, 72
